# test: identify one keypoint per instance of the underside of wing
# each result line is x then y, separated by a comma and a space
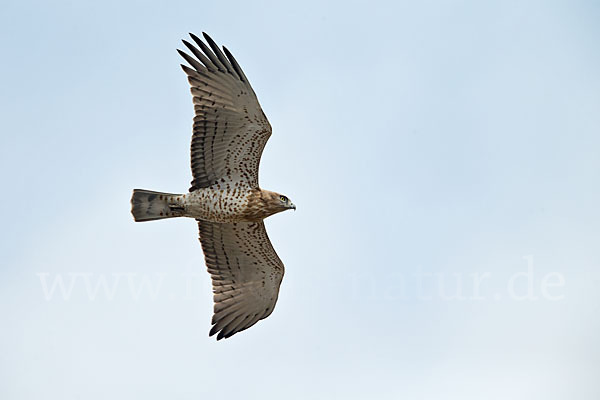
246, 274
230, 128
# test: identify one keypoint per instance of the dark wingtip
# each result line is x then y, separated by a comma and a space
211, 42
196, 38
230, 334
212, 331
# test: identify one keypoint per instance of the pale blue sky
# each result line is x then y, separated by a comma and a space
443, 156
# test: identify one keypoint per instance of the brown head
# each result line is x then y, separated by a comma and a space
263, 203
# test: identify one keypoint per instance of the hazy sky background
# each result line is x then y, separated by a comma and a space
443, 155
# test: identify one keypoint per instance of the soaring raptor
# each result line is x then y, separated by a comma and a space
229, 135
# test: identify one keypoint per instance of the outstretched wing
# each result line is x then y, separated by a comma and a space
230, 128
246, 274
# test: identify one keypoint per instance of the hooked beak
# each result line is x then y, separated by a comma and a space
293, 206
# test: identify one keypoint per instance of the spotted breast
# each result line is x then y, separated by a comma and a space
217, 205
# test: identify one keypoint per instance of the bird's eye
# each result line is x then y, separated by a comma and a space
283, 198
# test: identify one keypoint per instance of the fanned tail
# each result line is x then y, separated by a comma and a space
147, 205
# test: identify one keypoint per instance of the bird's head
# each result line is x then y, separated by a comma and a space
263, 203
284, 203
276, 202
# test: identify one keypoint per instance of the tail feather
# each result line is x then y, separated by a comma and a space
147, 205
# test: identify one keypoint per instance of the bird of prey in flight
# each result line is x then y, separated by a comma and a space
230, 131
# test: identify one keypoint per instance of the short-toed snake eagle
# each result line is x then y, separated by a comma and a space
229, 134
